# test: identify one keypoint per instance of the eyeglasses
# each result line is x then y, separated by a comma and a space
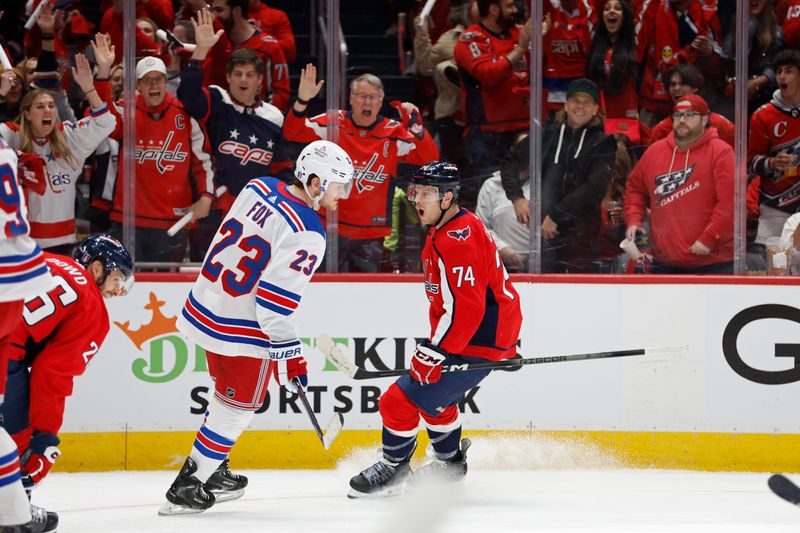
367, 97
153, 80
685, 116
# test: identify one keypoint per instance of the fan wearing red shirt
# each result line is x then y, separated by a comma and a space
274, 22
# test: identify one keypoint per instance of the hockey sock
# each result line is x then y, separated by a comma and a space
444, 431
400, 422
15, 508
216, 436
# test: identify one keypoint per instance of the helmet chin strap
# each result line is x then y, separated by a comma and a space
442, 212
315, 200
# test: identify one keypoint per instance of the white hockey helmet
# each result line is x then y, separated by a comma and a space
330, 164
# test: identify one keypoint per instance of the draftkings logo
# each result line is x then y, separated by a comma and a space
165, 352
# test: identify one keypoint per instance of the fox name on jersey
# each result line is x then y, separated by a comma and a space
254, 274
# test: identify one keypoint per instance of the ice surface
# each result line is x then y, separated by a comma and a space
495, 497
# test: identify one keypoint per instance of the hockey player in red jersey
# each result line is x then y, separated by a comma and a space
60, 332
240, 311
23, 273
474, 316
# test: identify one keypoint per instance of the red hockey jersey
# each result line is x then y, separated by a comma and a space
567, 43
274, 22
60, 332
774, 128
376, 152
170, 149
488, 79
276, 86
474, 309
791, 23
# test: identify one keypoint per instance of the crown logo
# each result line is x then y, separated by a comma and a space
159, 324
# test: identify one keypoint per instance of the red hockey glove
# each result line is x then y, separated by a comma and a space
412, 121
39, 458
32, 172
288, 363
426, 365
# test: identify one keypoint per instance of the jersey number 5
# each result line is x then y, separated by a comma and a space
241, 279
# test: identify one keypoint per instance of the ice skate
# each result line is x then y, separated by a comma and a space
187, 495
225, 485
441, 471
379, 480
41, 522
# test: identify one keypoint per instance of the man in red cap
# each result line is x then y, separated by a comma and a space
686, 180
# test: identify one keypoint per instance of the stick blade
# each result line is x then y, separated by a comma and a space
784, 488
334, 354
334, 428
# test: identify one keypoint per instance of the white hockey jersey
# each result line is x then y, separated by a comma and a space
23, 272
52, 215
255, 273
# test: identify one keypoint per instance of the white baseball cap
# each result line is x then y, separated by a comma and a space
150, 64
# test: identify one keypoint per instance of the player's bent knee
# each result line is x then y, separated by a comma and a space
397, 411
226, 420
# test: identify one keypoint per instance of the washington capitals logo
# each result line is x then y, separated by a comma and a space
666, 184
461, 234
367, 178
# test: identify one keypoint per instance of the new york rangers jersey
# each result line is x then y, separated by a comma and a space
52, 214
60, 333
255, 273
474, 309
23, 272
245, 140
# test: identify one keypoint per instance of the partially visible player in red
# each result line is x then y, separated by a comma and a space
60, 332
475, 316
274, 22
23, 273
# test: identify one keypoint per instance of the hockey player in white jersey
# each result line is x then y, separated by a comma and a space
23, 273
240, 310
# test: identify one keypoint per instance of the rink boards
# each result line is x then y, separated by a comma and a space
728, 402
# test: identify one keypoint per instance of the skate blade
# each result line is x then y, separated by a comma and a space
390, 492
227, 495
170, 509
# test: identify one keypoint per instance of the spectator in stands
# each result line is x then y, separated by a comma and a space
766, 40
178, 56
148, 27
117, 78
232, 16
686, 182
493, 59
437, 60
773, 151
274, 22
684, 79
612, 221
673, 32
160, 12
613, 63
170, 155
64, 146
27, 67
9, 102
244, 132
788, 17
577, 158
497, 212
565, 47
376, 144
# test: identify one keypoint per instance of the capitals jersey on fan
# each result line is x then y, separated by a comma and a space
245, 140
23, 272
775, 128
254, 274
474, 309
376, 152
60, 333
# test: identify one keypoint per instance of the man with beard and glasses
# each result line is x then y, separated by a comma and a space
686, 180
492, 58
232, 16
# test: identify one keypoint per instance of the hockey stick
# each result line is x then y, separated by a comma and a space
334, 427
784, 488
334, 354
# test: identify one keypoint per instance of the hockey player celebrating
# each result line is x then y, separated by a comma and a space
475, 315
240, 310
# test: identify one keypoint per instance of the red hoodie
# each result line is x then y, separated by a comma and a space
690, 196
